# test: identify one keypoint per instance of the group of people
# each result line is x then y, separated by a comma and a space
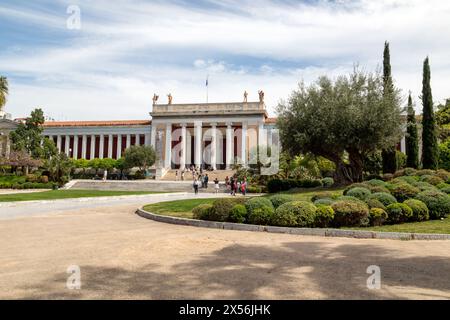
235, 186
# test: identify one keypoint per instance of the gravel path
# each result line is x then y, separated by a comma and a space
122, 255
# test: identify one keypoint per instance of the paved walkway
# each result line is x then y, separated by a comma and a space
122, 255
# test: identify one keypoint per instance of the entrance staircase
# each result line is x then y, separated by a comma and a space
219, 174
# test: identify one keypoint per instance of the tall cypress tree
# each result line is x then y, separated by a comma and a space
430, 151
412, 142
388, 154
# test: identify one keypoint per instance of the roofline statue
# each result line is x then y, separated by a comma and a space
169, 96
261, 96
155, 99
245, 96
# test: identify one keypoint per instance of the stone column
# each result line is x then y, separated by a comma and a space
92, 147
198, 144
75, 147
403, 144
1, 145
153, 136
102, 147
67, 146
229, 147
137, 139
8, 147
147, 139
213, 145
183, 147
119, 146
168, 147
128, 141
244, 144
58, 142
83, 146
110, 146
262, 139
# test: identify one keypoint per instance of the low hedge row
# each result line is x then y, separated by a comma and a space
27, 185
278, 185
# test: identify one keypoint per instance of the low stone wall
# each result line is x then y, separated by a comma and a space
361, 234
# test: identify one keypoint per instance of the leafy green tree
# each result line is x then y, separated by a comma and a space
350, 116
412, 137
141, 157
443, 120
28, 135
444, 155
82, 164
388, 154
3, 91
430, 151
58, 168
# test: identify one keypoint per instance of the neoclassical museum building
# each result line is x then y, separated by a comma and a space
214, 135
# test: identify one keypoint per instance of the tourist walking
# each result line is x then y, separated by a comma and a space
227, 182
231, 185
105, 175
195, 186
216, 185
244, 187
206, 181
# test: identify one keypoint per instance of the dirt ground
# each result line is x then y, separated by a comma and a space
124, 256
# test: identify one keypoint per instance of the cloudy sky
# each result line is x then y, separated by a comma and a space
124, 51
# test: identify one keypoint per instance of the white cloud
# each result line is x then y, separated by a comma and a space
127, 50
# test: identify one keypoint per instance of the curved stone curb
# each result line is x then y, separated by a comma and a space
96, 199
360, 234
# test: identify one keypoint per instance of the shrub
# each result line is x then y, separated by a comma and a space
349, 198
257, 202
443, 174
404, 191
398, 213
323, 202
376, 183
221, 208
350, 213
419, 209
238, 214
261, 215
388, 176
438, 203
385, 198
360, 193
377, 216
279, 199
378, 189
375, 203
274, 185
327, 182
254, 189
410, 171
424, 172
295, 214
31, 178
442, 185
434, 180
354, 185
422, 186
43, 179
202, 212
324, 216
408, 179
446, 190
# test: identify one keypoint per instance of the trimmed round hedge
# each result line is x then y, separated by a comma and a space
404, 191
238, 214
354, 185
202, 212
376, 183
221, 208
377, 216
258, 202
422, 186
295, 214
323, 202
279, 199
434, 180
324, 217
438, 203
419, 209
260, 210
360, 193
350, 213
375, 203
385, 198
327, 182
399, 213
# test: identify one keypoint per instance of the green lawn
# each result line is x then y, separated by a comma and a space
434, 226
178, 208
66, 194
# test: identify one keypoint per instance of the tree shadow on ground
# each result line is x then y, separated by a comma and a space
296, 270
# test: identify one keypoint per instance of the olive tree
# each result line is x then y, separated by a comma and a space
344, 121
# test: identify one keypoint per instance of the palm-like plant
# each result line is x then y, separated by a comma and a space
3, 91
